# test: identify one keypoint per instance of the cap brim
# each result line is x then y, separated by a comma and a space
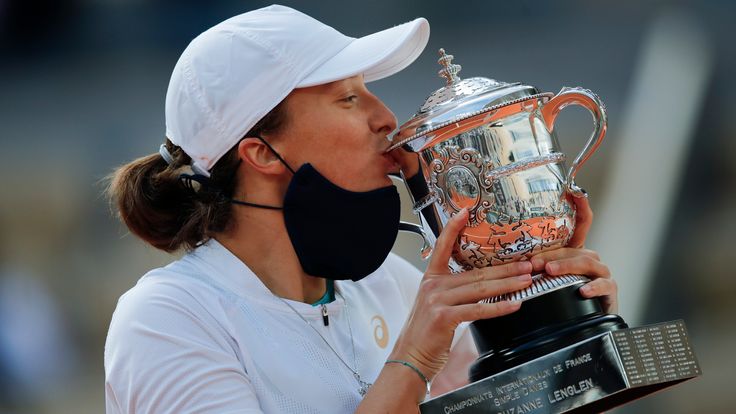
376, 56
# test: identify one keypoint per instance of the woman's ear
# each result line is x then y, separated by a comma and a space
260, 157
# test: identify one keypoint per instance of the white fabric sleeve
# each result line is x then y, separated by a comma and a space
165, 353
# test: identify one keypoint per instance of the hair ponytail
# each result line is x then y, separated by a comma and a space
157, 206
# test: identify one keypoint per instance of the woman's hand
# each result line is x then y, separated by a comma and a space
446, 300
577, 260
569, 260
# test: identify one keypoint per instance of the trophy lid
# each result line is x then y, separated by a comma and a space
459, 99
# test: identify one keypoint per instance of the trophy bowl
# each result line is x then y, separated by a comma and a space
490, 147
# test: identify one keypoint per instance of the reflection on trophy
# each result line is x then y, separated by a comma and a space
490, 147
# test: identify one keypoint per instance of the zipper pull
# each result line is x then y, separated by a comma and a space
325, 317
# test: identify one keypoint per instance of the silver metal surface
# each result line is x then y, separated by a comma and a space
459, 99
449, 70
426, 250
490, 147
525, 165
425, 202
596, 107
426, 131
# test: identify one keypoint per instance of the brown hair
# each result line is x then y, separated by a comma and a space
157, 206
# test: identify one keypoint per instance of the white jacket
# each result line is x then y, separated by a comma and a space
203, 334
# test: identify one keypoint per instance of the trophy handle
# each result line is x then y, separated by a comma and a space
594, 105
426, 250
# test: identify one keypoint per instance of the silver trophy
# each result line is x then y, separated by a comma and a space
490, 147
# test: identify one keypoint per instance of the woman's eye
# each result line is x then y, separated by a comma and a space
350, 99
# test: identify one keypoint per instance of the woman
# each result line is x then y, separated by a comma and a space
274, 179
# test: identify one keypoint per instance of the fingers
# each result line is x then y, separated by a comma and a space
582, 264
486, 274
443, 247
607, 289
484, 289
599, 287
476, 284
476, 311
538, 261
583, 221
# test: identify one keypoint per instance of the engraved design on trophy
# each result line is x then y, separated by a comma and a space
459, 176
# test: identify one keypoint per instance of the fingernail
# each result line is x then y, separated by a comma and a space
525, 266
537, 262
524, 278
552, 267
586, 289
514, 303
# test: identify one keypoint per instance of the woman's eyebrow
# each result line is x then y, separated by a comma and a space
342, 85
339, 87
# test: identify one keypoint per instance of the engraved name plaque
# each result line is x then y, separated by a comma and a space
593, 375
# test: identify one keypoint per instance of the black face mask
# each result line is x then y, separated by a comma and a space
336, 233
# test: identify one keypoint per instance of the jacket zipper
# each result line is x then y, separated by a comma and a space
325, 316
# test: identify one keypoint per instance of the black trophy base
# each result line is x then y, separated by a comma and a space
543, 325
590, 376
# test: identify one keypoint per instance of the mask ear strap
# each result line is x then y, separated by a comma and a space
245, 203
276, 154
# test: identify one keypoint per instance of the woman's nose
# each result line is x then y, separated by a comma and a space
383, 120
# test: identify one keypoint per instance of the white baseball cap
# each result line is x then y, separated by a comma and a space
234, 73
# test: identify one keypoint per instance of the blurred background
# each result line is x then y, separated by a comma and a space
82, 86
